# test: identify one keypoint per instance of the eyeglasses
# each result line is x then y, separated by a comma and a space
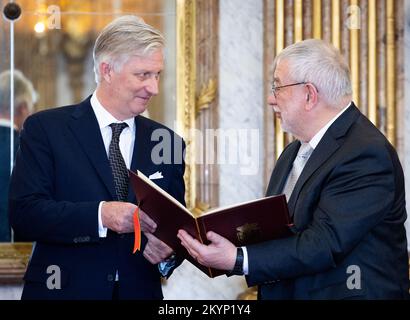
275, 88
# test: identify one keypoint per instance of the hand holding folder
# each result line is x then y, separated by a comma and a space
242, 224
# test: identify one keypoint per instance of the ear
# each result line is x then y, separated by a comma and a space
311, 96
21, 112
20, 108
105, 71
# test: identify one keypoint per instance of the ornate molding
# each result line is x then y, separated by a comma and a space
200, 208
206, 96
186, 80
13, 262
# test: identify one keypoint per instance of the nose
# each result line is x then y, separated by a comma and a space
152, 85
272, 99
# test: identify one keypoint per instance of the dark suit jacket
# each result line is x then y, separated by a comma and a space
62, 173
348, 208
5, 179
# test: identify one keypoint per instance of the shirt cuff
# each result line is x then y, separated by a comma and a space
165, 266
102, 231
245, 261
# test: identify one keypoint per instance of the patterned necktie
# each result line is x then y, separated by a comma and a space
118, 166
302, 157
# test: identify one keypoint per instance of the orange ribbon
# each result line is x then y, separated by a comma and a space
137, 231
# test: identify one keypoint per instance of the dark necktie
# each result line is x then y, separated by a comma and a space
118, 166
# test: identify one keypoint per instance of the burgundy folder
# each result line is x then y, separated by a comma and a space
243, 224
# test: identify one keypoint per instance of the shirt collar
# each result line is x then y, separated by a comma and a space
319, 135
105, 118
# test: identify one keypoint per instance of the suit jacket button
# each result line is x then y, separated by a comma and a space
110, 277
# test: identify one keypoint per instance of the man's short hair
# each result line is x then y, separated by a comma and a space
320, 63
119, 40
23, 91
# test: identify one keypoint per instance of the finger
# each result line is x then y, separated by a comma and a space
148, 252
183, 235
158, 247
187, 242
192, 242
153, 240
147, 255
154, 257
147, 219
191, 252
215, 238
151, 244
149, 235
147, 224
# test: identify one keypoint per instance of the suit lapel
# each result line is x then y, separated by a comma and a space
85, 128
326, 147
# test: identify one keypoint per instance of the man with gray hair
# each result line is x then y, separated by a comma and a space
70, 190
345, 190
24, 100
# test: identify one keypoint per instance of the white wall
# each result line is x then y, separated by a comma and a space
10, 292
241, 97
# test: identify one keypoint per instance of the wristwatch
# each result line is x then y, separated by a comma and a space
238, 267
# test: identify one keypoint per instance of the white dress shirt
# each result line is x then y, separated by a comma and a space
127, 139
313, 143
